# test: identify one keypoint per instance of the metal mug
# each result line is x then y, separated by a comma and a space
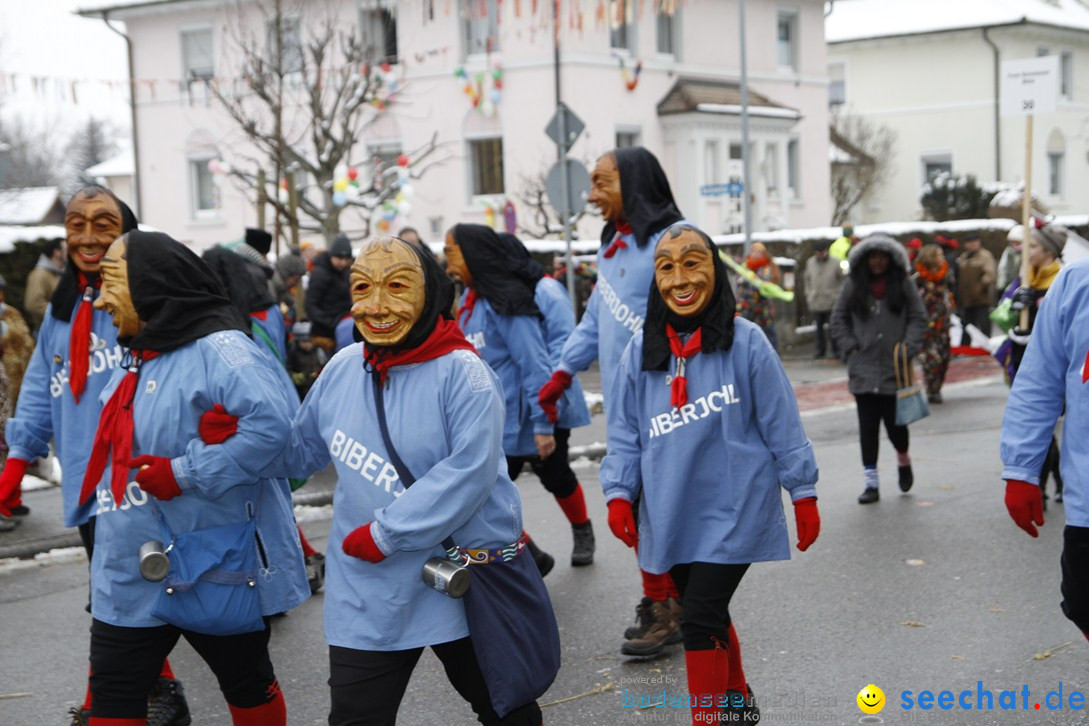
154, 562
449, 578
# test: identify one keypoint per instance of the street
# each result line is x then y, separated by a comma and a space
933, 591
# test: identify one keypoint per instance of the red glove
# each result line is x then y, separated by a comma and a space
156, 477
808, 520
360, 543
622, 522
1025, 503
216, 426
551, 393
10, 479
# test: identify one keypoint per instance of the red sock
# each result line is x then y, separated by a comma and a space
307, 549
273, 713
104, 721
656, 587
87, 699
736, 680
166, 672
574, 506
708, 672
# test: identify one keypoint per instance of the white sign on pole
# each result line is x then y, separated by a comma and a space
1029, 86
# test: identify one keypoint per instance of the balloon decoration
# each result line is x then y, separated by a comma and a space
384, 85
485, 88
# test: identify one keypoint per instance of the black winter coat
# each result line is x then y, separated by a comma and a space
327, 297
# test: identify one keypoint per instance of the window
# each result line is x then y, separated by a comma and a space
627, 137
667, 28
771, 168
1055, 173
379, 27
788, 39
1066, 72
735, 151
934, 164
486, 165
292, 49
837, 83
792, 169
204, 193
622, 25
382, 157
1042, 51
197, 63
480, 27
711, 171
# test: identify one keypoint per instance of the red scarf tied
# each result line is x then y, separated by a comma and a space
466, 311
678, 389
445, 338
115, 428
622, 228
79, 340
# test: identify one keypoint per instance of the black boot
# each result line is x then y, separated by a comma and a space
544, 561
166, 705
583, 553
741, 707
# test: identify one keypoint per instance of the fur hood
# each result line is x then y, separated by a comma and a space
884, 243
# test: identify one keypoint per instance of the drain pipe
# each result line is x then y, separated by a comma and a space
136, 176
997, 117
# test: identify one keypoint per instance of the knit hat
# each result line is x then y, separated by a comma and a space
1052, 237
1016, 233
289, 265
821, 245
259, 239
301, 330
341, 247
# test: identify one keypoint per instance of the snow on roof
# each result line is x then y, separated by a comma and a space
861, 19
28, 205
10, 235
121, 164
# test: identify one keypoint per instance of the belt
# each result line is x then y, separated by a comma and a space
473, 556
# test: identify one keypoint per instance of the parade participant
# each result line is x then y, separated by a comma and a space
753, 306
877, 308
76, 351
705, 431
506, 312
632, 193
933, 280
1009, 264
246, 284
444, 411
188, 350
1054, 374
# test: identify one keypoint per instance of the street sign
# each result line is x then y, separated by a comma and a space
1029, 86
734, 189
578, 186
714, 190
573, 126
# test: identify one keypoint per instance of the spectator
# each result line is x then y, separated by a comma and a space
287, 276
753, 306
16, 345
327, 297
933, 280
42, 281
823, 278
843, 243
1009, 264
304, 360
975, 286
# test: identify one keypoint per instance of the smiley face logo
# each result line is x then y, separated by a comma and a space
871, 699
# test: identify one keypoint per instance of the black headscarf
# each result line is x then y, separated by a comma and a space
717, 319
528, 268
68, 292
499, 277
243, 280
647, 198
175, 293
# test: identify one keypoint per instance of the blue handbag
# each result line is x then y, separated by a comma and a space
211, 587
911, 402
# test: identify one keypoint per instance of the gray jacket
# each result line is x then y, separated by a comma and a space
868, 341
822, 282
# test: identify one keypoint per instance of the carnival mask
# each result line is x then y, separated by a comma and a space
116, 296
456, 266
91, 224
387, 285
684, 271
605, 189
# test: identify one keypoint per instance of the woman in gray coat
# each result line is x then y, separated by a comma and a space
877, 308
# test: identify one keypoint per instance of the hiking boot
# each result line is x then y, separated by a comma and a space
80, 716
20, 510
935, 397
664, 630
678, 614
741, 707
907, 478
869, 495
8, 523
315, 571
544, 561
166, 704
643, 620
583, 553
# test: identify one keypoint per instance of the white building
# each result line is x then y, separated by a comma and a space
929, 70
683, 105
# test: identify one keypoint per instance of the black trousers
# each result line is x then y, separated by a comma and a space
554, 472
873, 408
977, 315
125, 665
822, 320
367, 685
706, 590
1075, 585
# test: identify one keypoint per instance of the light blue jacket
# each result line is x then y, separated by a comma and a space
344, 332
48, 410
273, 326
614, 312
217, 481
445, 418
710, 472
1052, 374
559, 320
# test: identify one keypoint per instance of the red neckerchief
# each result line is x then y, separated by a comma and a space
114, 432
1085, 369
932, 276
79, 338
754, 264
445, 338
678, 389
878, 286
622, 228
467, 309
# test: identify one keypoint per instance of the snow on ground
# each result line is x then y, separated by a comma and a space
307, 513
59, 556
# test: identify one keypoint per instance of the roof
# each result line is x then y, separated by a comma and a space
28, 206
689, 95
10, 235
121, 164
99, 8
852, 20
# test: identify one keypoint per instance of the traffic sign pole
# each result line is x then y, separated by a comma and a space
562, 145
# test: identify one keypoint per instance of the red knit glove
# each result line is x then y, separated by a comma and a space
10, 479
1025, 503
156, 477
360, 543
216, 426
808, 520
622, 522
551, 392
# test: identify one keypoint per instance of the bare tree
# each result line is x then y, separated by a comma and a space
30, 156
864, 163
542, 220
309, 91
